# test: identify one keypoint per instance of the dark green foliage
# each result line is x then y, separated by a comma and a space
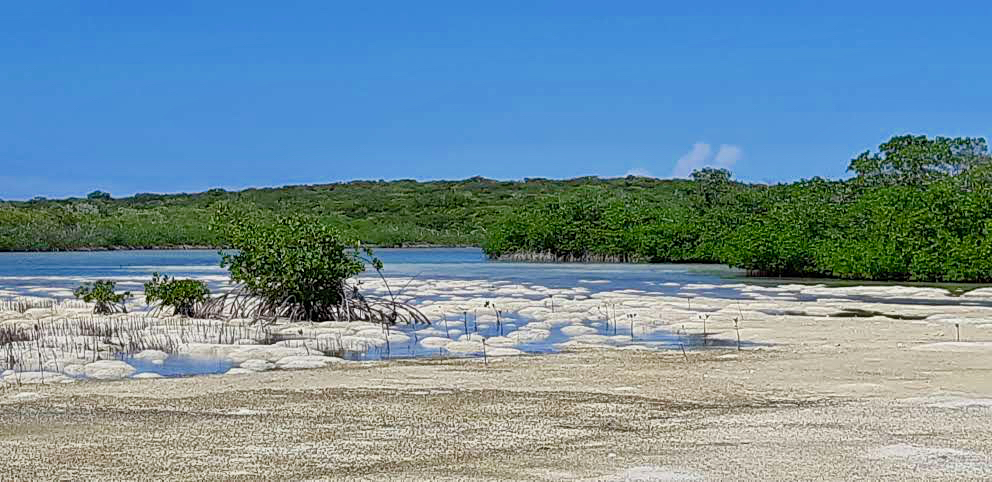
917, 160
293, 260
921, 211
595, 224
394, 213
98, 195
102, 294
183, 295
939, 233
711, 185
784, 231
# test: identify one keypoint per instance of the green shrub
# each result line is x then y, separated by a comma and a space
296, 265
183, 295
102, 294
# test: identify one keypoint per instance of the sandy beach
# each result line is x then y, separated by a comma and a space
812, 397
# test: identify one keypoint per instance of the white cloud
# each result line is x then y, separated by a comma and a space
701, 155
692, 160
727, 156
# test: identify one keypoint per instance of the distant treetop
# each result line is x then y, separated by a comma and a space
917, 160
98, 195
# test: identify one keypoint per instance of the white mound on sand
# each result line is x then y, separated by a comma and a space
33, 378
498, 341
306, 362
271, 353
434, 342
921, 454
245, 412
108, 370
25, 396
464, 347
257, 365
146, 375
979, 293
958, 346
528, 335
503, 352
950, 401
154, 356
963, 403
578, 330
651, 472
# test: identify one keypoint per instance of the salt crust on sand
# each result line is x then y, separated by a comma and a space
957, 346
108, 370
578, 320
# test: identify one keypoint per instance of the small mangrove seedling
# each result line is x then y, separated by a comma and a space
682, 343
631, 316
737, 324
737, 328
499, 317
957, 329
600, 309
102, 294
615, 321
185, 296
704, 317
386, 329
485, 358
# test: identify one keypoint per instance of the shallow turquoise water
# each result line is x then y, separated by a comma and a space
56, 274
179, 366
52, 274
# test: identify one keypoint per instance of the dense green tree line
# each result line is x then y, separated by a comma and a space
395, 213
918, 209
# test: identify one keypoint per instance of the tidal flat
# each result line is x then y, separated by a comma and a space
591, 380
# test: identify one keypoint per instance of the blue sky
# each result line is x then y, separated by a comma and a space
175, 96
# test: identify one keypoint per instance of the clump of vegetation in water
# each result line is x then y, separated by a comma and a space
185, 296
102, 294
593, 225
297, 268
918, 210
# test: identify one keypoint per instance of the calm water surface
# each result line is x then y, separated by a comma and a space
56, 274
65, 270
